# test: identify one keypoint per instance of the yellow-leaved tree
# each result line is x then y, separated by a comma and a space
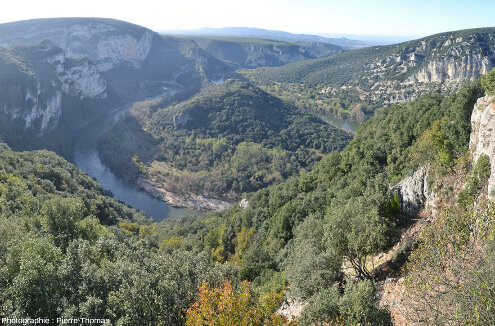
228, 306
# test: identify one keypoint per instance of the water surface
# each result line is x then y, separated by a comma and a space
340, 123
86, 157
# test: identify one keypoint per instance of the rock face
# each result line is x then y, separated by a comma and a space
104, 42
482, 139
253, 53
56, 72
438, 63
413, 191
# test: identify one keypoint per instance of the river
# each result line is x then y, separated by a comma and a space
340, 123
86, 157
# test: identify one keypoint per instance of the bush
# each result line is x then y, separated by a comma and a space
450, 277
488, 82
477, 181
226, 305
355, 307
322, 308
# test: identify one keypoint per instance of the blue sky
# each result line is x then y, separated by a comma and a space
374, 17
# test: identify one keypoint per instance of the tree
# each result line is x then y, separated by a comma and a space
34, 285
309, 253
228, 306
363, 226
357, 305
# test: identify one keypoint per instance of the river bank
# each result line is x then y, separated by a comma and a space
190, 201
87, 158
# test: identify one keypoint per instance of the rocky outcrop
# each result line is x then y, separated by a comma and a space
181, 119
244, 203
482, 138
189, 200
414, 191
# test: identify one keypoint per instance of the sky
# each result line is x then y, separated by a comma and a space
365, 17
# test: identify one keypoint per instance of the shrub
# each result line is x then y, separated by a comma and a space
488, 82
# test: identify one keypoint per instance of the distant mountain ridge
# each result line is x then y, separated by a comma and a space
271, 34
249, 52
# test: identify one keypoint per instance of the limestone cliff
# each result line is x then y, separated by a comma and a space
244, 52
438, 63
482, 139
104, 42
414, 191
61, 73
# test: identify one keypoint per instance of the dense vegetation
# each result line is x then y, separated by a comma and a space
229, 139
341, 213
488, 82
69, 250
314, 218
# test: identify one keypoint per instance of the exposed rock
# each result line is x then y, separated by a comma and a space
105, 42
414, 191
440, 63
244, 203
452, 68
291, 309
51, 110
246, 53
181, 119
390, 296
482, 139
83, 80
191, 201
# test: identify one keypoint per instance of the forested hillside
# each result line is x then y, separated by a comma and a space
393, 224
67, 249
227, 140
320, 231
363, 80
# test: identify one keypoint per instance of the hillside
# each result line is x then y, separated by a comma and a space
364, 79
248, 52
228, 139
61, 73
68, 249
326, 232
396, 228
